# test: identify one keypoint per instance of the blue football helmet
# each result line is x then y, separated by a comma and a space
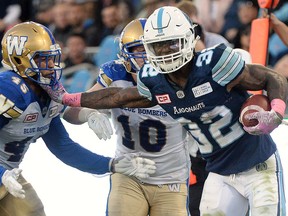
130, 38
25, 42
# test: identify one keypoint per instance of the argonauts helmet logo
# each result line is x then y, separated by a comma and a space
261, 167
180, 94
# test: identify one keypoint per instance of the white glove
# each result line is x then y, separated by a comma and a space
132, 165
9, 180
100, 124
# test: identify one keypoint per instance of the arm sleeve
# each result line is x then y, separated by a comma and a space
71, 153
229, 65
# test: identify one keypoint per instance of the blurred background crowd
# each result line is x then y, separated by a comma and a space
87, 30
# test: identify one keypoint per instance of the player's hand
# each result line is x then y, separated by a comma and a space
60, 95
56, 93
9, 180
133, 165
100, 124
267, 122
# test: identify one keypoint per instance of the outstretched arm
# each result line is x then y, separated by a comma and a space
71, 153
114, 98
94, 98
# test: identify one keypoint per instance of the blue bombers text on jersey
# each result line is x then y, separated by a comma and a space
148, 131
25, 118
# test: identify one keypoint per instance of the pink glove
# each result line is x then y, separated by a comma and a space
267, 122
60, 95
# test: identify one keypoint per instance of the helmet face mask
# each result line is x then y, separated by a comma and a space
132, 50
167, 54
169, 43
29, 49
40, 63
172, 46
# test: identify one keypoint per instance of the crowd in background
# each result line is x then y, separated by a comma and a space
87, 30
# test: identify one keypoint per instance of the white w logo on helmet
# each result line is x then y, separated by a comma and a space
16, 43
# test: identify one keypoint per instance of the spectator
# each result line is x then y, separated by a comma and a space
281, 66
81, 23
281, 11
126, 14
278, 42
77, 16
60, 27
75, 50
43, 13
148, 6
242, 38
240, 13
110, 19
279, 27
80, 72
209, 38
212, 13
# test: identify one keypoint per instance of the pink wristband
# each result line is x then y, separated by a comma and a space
278, 106
73, 100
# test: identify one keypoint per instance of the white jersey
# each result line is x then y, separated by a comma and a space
151, 132
23, 119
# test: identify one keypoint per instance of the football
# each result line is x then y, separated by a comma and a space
254, 103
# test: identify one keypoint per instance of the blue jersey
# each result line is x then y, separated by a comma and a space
209, 112
151, 132
24, 118
114, 71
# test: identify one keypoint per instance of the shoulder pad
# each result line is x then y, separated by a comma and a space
8, 108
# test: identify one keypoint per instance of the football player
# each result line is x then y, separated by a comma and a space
150, 132
204, 91
27, 113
